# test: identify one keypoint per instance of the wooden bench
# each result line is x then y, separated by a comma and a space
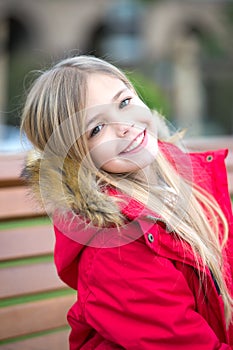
33, 300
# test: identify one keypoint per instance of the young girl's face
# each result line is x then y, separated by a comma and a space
120, 129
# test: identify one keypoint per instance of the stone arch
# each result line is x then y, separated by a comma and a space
17, 33
22, 20
116, 34
175, 34
165, 22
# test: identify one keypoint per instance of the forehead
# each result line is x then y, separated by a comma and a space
102, 88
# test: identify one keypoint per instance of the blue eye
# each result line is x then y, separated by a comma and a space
124, 103
96, 130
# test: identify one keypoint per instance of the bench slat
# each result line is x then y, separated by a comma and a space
53, 341
208, 143
11, 167
28, 279
34, 317
26, 242
230, 182
16, 203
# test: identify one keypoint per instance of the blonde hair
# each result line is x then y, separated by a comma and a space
58, 95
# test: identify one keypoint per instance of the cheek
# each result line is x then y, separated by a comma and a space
117, 166
102, 154
152, 146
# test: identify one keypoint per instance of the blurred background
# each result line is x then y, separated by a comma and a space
179, 54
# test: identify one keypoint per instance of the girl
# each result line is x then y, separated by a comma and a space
143, 229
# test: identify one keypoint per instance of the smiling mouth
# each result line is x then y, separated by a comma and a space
136, 143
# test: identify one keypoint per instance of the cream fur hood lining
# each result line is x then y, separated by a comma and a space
56, 186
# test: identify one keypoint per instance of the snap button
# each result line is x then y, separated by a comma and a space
150, 237
209, 158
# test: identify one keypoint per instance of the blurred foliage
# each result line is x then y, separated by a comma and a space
229, 12
21, 77
211, 47
149, 1
20, 64
149, 92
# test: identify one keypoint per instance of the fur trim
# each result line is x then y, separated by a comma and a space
58, 186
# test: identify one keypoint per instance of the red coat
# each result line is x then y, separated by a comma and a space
144, 291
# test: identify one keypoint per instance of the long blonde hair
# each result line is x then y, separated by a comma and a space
58, 95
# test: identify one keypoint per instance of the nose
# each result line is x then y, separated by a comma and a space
122, 129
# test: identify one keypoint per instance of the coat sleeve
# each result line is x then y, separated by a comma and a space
141, 301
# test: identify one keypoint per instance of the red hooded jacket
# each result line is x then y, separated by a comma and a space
142, 290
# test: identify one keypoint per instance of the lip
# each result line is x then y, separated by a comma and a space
140, 145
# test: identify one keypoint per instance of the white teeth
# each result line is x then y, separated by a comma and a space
136, 143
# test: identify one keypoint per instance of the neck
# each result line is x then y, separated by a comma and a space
147, 175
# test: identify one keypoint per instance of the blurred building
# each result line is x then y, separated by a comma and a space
184, 47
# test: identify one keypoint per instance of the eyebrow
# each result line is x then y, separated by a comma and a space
92, 120
118, 94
